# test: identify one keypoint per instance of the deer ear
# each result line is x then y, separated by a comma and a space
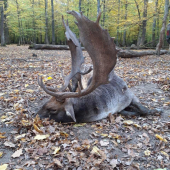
69, 110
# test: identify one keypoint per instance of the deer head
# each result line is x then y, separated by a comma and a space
101, 49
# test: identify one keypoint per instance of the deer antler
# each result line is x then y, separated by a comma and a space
76, 56
101, 49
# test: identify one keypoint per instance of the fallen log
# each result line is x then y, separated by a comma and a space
131, 53
49, 47
122, 53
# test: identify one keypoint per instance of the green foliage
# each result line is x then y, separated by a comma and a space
29, 21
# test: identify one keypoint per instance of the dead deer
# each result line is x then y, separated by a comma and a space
107, 93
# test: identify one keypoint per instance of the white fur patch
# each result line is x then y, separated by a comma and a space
68, 113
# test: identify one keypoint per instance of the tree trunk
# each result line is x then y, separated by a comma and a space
142, 33
104, 10
154, 24
121, 53
33, 22
19, 24
117, 37
7, 41
2, 27
46, 23
98, 7
162, 32
124, 34
131, 54
79, 5
49, 47
138, 39
53, 27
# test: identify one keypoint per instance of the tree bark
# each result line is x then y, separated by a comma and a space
49, 47
117, 37
33, 22
79, 5
2, 27
53, 27
46, 23
6, 29
154, 24
162, 32
121, 53
142, 33
131, 54
19, 24
98, 7
124, 34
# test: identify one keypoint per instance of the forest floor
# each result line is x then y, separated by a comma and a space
118, 142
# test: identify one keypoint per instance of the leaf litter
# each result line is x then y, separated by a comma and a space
118, 142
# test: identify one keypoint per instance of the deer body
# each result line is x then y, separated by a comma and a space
107, 93
107, 98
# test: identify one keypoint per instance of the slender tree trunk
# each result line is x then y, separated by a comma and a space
2, 27
34, 36
19, 24
142, 34
98, 7
104, 11
7, 41
124, 34
79, 5
138, 39
88, 9
46, 23
23, 37
118, 17
154, 24
52, 11
162, 32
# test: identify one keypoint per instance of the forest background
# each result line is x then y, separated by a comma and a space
40, 21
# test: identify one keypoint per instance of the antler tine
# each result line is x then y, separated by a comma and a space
98, 17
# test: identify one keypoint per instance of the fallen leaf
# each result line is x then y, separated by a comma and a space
58, 163
1, 153
1, 135
37, 128
160, 138
164, 153
128, 122
113, 162
10, 144
41, 137
104, 142
79, 124
3, 167
56, 150
137, 126
95, 150
49, 78
30, 91
147, 152
20, 136
17, 153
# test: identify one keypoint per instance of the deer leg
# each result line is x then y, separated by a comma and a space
128, 113
144, 110
137, 109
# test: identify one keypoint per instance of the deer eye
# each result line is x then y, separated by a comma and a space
52, 111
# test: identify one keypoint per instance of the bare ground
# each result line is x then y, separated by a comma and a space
141, 143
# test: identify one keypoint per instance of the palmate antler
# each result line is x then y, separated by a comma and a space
101, 49
77, 58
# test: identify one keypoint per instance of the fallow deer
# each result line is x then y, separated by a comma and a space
107, 93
